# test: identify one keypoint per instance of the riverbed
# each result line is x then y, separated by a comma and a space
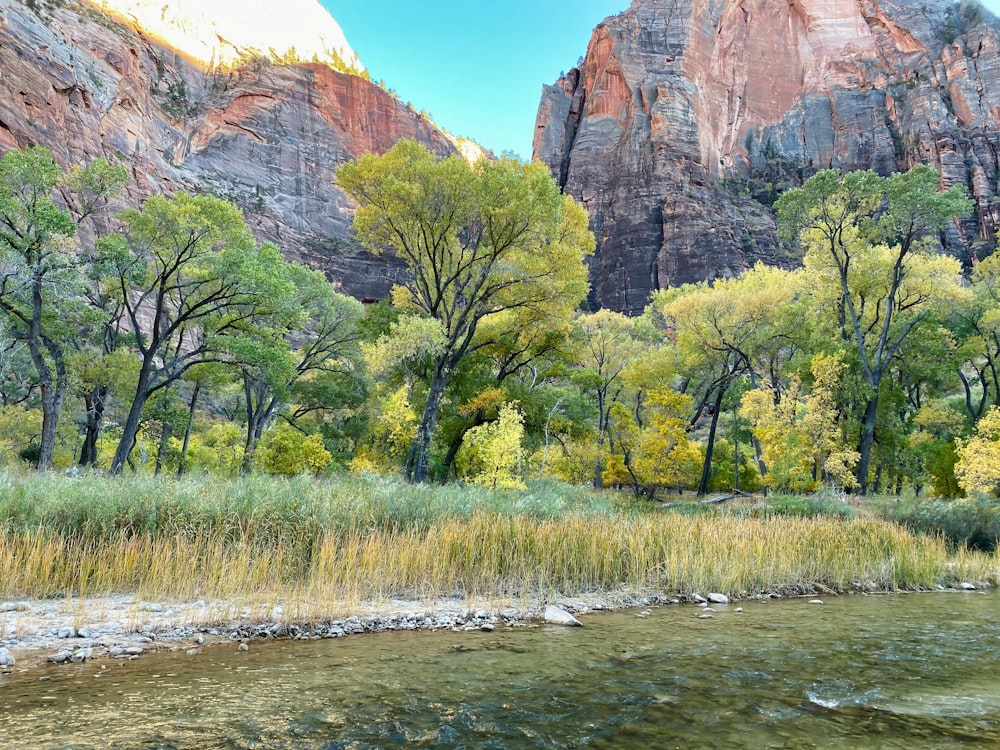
894, 671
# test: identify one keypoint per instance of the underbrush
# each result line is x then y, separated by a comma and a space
972, 522
358, 539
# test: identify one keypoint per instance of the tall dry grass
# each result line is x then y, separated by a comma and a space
322, 545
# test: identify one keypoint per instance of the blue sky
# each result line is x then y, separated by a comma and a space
476, 67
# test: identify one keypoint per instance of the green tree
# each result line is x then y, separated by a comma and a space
191, 279
865, 236
477, 240
44, 263
311, 332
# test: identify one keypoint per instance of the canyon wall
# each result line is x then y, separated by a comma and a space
688, 118
265, 135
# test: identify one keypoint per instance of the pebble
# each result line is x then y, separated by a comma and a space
15, 606
815, 601
6, 657
718, 598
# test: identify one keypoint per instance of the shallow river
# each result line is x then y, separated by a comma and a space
908, 671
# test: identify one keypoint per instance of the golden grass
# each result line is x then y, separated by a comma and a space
488, 556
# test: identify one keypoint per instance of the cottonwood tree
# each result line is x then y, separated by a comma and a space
313, 334
190, 278
865, 236
727, 330
476, 240
42, 262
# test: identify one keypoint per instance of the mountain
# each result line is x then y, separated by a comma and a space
190, 104
688, 117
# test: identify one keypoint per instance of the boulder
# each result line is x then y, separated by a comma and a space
557, 616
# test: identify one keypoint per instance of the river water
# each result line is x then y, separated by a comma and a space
904, 671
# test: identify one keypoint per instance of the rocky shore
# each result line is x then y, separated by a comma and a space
38, 633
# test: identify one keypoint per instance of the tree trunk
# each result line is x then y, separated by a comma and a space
94, 403
131, 430
162, 447
182, 466
416, 463
866, 443
706, 469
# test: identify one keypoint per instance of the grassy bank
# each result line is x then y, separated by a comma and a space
323, 545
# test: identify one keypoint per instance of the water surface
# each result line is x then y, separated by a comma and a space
904, 671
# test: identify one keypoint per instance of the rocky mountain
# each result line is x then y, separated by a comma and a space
132, 81
688, 117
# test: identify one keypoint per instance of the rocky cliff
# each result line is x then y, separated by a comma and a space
688, 117
266, 135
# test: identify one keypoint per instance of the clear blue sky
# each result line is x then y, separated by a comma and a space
476, 67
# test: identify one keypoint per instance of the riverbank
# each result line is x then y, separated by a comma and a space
207, 560
41, 635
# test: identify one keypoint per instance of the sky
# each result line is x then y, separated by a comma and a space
476, 67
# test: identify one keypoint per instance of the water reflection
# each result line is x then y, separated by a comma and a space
907, 671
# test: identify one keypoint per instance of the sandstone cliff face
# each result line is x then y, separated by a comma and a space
267, 136
689, 116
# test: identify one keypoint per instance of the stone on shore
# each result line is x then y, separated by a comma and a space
82, 654
718, 598
557, 616
15, 606
61, 657
966, 586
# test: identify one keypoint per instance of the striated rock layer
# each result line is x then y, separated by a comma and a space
267, 136
688, 117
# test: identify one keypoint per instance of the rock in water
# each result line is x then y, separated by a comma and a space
558, 616
6, 657
687, 119
718, 598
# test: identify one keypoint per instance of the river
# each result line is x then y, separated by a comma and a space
902, 671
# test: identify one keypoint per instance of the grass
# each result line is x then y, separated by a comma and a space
321, 546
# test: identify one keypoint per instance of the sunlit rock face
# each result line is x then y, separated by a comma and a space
267, 136
222, 32
688, 117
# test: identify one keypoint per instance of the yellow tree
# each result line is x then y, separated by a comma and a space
864, 236
978, 467
727, 330
477, 240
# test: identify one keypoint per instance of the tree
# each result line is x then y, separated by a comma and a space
43, 262
492, 453
978, 467
477, 240
727, 330
191, 279
864, 235
312, 333
610, 342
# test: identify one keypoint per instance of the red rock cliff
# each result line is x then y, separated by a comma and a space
688, 117
264, 135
